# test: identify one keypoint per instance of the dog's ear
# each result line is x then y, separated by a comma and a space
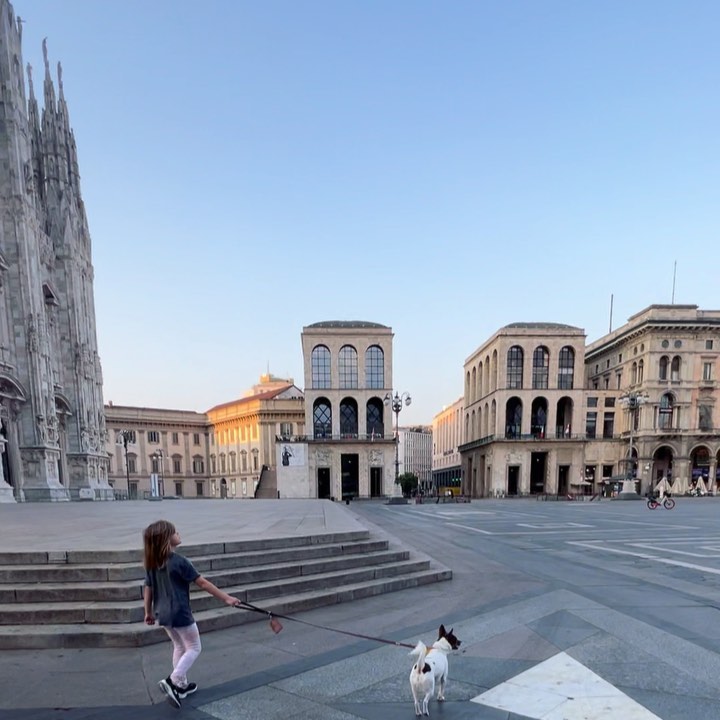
441, 632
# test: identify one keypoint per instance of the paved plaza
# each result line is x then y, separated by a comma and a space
566, 610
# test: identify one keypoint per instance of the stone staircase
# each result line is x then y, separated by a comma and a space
83, 599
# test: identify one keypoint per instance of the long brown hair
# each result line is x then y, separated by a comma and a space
156, 539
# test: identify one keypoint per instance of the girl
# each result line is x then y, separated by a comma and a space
167, 596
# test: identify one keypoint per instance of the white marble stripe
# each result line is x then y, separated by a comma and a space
561, 688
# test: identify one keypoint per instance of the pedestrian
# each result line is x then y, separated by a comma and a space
167, 598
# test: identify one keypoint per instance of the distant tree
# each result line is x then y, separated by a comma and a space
408, 482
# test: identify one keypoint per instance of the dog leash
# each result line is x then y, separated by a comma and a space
276, 626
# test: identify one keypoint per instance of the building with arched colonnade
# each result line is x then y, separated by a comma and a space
544, 413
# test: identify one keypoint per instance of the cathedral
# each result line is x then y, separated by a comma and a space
52, 423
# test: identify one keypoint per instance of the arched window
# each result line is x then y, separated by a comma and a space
473, 386
541, 366
348, 367
322, 418
375, 367
666, 412
375, 420
641, 371
321, 371
513, 418
633, 373
663, 374
675, 369
566, 368
348, 418
515, 367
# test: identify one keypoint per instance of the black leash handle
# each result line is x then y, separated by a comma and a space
242, 605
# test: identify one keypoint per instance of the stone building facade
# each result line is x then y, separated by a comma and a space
415, 454
652, 386
544, 413
349, 446
218, 454
244, 434
154, 446
447, 437
524, 399
52, 424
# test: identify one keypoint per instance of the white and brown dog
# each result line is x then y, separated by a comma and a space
431, 668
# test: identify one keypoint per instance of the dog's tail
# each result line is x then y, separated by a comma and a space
421, 651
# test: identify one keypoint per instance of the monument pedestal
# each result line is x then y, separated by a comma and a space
628, 491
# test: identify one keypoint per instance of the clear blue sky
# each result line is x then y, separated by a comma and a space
443, 168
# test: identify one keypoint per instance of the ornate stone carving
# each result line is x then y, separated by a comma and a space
32, 333
376, 457
322, 457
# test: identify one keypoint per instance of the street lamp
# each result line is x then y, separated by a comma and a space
159, 456
632, 401
124, 437
397, 401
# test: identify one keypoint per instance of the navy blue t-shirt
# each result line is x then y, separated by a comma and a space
170, 587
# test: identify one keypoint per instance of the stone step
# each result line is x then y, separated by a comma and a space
91, 592
108, 571
88, 557
16, 637
132, 611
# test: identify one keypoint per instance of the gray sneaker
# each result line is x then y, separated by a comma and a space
172, 693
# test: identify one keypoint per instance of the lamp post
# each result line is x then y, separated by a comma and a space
159, 455
396, 401
125, 437
632, 401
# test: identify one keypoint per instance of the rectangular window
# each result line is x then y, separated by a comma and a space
122, 434
196, 438
610, 402
153, 437
708, 344
707, 371
607, 383
592, 402
175, 439
607, 472
154, 465
177, 466
199, 489
286, 429
178, 489
618, 381
591, 425
609, 424
620, 358
198, 466
705, 417
255, 462
132, 466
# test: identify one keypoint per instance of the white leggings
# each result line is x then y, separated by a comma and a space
186, 648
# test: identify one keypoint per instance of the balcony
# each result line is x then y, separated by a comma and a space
343, 437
